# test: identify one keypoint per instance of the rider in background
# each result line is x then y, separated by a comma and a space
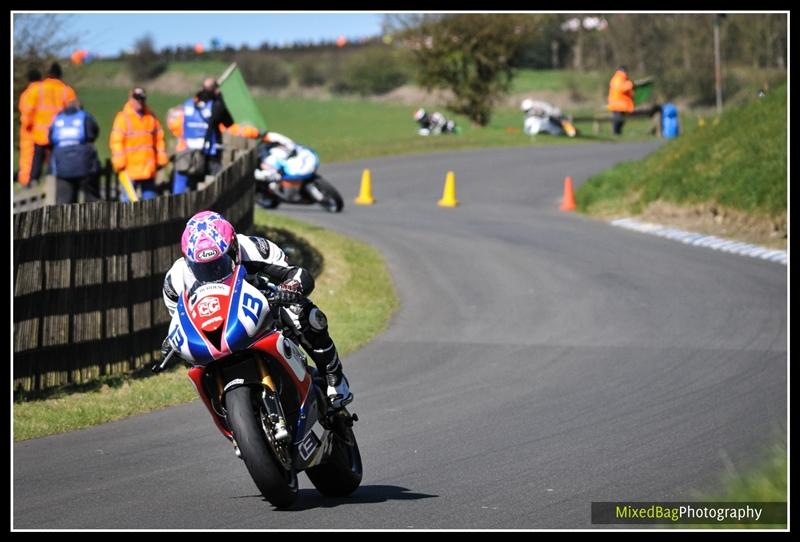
435, 123
545, 118
274, 155
208, 231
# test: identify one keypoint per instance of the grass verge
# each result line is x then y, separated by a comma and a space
358, 307
766, 482
736, 165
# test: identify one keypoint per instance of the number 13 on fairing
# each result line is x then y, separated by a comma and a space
253, 303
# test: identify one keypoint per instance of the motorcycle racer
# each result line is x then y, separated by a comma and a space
211, 249
274, 155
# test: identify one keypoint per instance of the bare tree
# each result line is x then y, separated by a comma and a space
39, 39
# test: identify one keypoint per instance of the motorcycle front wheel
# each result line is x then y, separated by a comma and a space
277, 484
267, 203
332, 201
264, 198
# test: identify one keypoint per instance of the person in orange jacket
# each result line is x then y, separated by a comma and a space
26, 110
137, 144
45, 100
620, 98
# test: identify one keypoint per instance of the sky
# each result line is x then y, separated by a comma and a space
106, 34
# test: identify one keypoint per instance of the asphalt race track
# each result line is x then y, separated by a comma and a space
539, 361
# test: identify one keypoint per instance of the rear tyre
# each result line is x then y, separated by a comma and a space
332, 202
278, 485
341, 474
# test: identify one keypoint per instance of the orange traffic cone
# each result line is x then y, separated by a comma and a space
365, 194
568, 202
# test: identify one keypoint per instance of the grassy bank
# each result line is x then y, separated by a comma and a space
767, 482
734, 169
357, 308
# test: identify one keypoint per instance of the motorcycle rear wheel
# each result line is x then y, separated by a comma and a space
341, 473
278, 485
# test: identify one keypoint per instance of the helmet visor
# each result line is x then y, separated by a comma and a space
214, 271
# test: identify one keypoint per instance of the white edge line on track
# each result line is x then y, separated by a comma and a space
702, 240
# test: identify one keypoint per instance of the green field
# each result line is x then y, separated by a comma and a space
341, 129
344, 128
738, 161
590, 85
354, 289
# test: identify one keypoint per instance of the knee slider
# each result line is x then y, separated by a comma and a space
317, 320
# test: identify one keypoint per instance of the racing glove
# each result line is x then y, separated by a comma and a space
289, 292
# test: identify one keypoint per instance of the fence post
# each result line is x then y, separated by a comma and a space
49, 190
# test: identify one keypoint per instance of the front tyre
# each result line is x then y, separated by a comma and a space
332, 200
267, 203
264, 197
278, 485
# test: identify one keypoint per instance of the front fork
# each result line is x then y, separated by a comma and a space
314, 191
276, 417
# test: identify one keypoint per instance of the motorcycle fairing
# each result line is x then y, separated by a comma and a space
245, 311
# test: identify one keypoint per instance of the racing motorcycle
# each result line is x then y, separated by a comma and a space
285, 177
262, 394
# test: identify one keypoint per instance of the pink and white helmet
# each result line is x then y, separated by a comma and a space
209, 247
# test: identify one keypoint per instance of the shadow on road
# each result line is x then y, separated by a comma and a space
309, 499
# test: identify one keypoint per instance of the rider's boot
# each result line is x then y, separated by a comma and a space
327, 361
339, 393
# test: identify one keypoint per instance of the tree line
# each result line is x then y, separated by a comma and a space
475, 55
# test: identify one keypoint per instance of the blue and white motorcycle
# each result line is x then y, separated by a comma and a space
290, 176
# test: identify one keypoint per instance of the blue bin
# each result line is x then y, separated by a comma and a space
669, 121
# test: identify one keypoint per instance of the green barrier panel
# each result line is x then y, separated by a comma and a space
641, 93
240, 102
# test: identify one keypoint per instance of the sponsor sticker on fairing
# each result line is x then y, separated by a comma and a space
211, 322
208, 306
